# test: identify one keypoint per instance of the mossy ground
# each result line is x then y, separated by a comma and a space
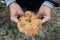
9, 30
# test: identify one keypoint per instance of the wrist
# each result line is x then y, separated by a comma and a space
8, 2
12, 4
49, 4
47, 7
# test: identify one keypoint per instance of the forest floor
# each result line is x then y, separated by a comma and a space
9, 30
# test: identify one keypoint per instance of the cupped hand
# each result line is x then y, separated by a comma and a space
45, 11
15, 11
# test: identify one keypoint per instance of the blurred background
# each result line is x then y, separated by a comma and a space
9, 30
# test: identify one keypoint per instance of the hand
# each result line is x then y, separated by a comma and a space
45, 11
15, 11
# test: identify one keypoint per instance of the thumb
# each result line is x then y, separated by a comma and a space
40, 12
20, 12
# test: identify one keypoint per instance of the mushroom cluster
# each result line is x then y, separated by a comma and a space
30, 24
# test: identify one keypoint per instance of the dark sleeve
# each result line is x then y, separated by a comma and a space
56, 2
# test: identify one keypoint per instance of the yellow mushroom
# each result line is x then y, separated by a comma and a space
30, 24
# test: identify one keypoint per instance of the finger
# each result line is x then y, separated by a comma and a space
45, 19
14, 19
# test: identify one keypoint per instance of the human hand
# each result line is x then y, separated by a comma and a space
45, 11
15, 11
